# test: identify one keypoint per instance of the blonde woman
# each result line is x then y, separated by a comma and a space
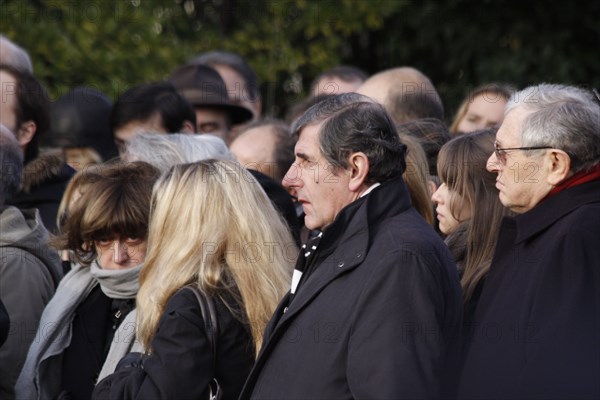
211, 226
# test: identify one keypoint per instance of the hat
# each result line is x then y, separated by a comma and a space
80, 118
202, 86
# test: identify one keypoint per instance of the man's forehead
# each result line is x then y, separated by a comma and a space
510, 128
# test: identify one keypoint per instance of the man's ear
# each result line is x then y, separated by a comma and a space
188, 127
559, 165
26, 133
359, 169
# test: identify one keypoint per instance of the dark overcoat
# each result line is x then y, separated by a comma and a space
378, 316
537, 324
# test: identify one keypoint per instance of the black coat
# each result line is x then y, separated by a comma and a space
378, 316
4, 323
538, 319
181, 364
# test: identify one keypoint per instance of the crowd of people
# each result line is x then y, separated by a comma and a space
179, 244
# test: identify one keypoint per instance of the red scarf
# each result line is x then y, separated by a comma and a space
577, 179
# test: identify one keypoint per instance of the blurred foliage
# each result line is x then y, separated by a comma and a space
459, 44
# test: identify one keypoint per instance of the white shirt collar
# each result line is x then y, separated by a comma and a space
370, 189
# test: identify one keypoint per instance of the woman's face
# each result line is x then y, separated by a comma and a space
486, 110
447, 221
120, 253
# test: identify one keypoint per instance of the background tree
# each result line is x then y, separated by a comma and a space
460, 44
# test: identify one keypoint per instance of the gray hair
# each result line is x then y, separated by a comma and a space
354, 123
11, 163
164, 151
14, 55
564, 117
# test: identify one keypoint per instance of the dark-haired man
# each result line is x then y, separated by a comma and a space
374, 309
150, 108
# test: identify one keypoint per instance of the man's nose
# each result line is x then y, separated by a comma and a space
292, 177
493, 164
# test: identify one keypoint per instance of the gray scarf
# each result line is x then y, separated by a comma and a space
40, 377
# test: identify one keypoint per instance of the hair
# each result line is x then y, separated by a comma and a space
432, 135
346, 73
32, 104
354, 123
462, 167
410, 106
14, 55
297, 109
410, 94
284, 144
11, 162
164, 151
144, 101
239, 245
235, 62
496, 90
416, 178
77, 185
114, 204
563, 117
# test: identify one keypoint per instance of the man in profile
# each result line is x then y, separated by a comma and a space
375, 308
537, 324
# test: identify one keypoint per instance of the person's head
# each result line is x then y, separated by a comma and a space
266, 146
406, 93
14, 55
109, 222
151, 108
468, 196
24, 108
165, 151
417, 178
466, 184
338, 80
240, 79
432, 135
204, 88
346, 143
80, 126
482, 108
11, 160
239, 244
549, 133
75, 189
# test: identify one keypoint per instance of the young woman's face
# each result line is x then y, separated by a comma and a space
448, 221
485, 111
120, 253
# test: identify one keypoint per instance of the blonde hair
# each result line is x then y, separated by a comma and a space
416, 177
212, 224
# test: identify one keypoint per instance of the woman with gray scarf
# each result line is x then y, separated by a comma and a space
90, 322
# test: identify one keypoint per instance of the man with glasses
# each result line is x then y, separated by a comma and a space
537, 325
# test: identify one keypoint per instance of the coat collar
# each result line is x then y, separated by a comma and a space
345, 242
554, 208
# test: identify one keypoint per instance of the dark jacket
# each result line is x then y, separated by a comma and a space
44, 181
538, 317
377, 317
180, 366
4, 323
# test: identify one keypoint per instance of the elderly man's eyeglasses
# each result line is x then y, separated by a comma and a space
501, 151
